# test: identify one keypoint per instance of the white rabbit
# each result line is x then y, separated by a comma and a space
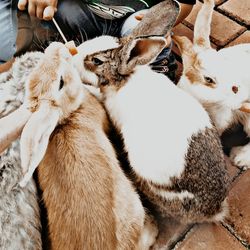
89, 201
20, 225
173, 149
220, 80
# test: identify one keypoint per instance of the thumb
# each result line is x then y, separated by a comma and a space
49, 12
22, 4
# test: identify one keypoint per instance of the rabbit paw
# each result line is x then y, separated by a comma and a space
240, 156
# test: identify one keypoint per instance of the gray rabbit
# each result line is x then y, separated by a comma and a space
20, 226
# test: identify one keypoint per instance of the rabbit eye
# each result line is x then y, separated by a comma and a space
209, 80
97, 61
61, 84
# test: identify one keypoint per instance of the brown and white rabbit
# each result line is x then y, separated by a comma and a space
220, 80
20, 225
173, 148
89, 201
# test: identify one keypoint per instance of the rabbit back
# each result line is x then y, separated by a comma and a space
199, 194
152, 113
172, 146
80, 176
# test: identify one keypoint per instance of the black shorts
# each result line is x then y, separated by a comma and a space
77, 20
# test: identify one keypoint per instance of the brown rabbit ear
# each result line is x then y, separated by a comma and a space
158, 20
140, 51
187, 52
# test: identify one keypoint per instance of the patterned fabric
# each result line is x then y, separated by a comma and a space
112, 9
192, 2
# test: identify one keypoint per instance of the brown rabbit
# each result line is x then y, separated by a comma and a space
90, 203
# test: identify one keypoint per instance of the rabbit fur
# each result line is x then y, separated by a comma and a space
173, 148
89, 201
20, 226
220, 80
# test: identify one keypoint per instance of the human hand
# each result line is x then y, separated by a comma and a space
42, 9
140, 16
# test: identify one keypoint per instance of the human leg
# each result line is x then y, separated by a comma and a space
78, 21
8, 29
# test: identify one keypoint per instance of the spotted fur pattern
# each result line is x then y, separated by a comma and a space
20, 226
208, 173
19, 211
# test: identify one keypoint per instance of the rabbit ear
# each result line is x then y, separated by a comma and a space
187, 52
11, 126
202, 27
35, 138
140, 51
158, 20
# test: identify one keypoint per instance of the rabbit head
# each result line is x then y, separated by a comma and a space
54, 82
207, 75
112, 67
107, 60
53, 92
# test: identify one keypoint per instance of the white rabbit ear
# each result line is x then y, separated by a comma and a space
35, 139
187, 52
140, 51
202, 27
158, 20
11, 126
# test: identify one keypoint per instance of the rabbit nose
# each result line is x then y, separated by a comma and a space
235, 89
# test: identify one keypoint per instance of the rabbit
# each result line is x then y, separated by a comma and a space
12, 82
220, 80
90, 202
20, 226
173, 148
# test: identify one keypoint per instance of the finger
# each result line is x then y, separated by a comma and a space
32, 9
49, 12
139, 17
168, 39
39, 12
22, 4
